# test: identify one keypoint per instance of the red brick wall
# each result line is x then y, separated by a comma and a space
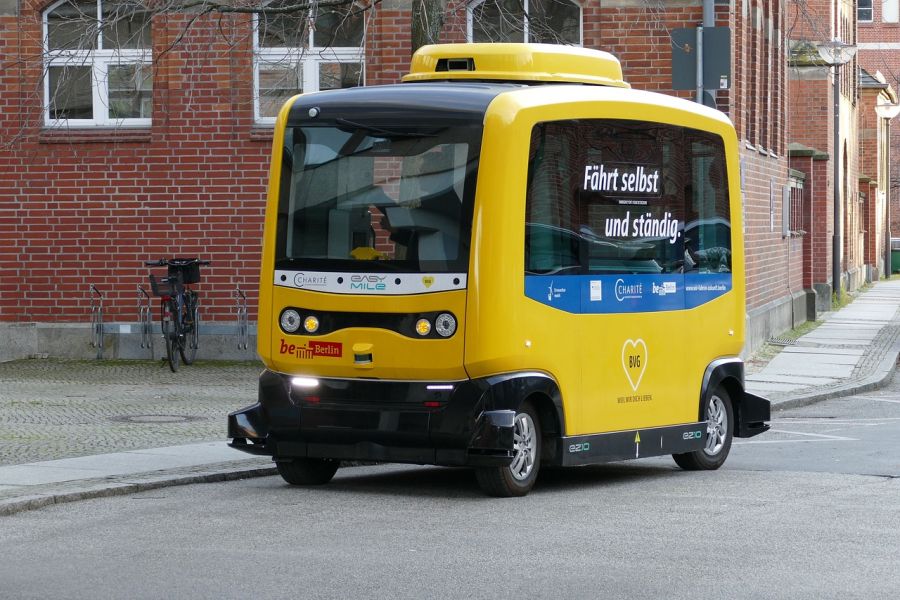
886, 60
88, 207
81, 207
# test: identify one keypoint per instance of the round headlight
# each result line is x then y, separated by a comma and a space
445, 324
311, 324
290, 320
423, 327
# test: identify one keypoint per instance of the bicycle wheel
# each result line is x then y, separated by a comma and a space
190, 341
170, 333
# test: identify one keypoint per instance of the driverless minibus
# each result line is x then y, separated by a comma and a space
508, 261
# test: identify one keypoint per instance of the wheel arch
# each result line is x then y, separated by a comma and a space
511, 390
750, 411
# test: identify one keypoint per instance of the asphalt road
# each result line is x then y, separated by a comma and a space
809, 510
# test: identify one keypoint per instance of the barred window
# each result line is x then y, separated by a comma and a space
864, 10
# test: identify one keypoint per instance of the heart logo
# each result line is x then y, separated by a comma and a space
427, 281
634, 361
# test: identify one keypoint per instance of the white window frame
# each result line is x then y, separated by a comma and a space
308, 58
472, 5
99, 60
890, 11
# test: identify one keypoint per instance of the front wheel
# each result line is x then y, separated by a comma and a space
519, 477
307, 471
171, 337
719, 433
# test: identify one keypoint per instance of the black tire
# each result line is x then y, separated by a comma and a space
719, 416
519, 477
191, 339
307, 471
171, 337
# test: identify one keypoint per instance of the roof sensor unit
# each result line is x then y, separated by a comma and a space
455, 64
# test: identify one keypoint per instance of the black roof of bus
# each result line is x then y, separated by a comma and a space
463, 100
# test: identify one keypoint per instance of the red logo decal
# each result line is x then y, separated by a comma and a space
313, 349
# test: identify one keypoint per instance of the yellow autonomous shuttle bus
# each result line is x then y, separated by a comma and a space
509, 260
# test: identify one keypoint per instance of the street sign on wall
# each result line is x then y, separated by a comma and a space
716, 58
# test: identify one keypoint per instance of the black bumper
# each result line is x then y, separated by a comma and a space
753, 414
462, 423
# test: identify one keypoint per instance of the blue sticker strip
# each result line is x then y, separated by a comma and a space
601, 294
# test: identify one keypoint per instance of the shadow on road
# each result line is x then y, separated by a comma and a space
460, 483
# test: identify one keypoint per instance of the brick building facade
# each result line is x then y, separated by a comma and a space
879, 53
183, 173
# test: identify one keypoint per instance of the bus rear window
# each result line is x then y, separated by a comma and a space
617, 196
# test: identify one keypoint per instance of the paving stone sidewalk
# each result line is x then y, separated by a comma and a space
71, 430
855, 349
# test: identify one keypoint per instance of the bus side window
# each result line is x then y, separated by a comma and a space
708, 233
552, 242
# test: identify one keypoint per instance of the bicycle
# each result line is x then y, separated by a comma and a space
179, 307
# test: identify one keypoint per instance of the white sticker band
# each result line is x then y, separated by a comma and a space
376, 284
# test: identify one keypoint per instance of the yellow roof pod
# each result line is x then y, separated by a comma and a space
548, 63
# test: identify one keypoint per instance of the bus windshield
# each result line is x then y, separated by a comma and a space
391, 197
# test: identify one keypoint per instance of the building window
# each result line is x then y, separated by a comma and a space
305, 51
542, 21
864, 10
890, 11
97, 64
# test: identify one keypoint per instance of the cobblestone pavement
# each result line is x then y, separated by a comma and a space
52, 409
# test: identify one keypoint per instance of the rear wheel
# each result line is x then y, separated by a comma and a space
519, 477
307, 471
719, 432
170, 335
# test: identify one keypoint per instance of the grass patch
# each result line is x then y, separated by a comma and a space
801, 330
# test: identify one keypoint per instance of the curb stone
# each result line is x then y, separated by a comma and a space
131, 484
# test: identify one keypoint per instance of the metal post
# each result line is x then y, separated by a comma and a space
838, 213
887, 201
699, 78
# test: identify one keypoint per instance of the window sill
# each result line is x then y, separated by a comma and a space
99, 135
262, 133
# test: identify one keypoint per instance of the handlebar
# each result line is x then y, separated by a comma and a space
175, 262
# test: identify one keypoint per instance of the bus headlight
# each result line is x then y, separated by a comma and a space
423, 327
290, 320
445, 324
311, 324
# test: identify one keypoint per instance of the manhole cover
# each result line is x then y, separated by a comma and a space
154, 419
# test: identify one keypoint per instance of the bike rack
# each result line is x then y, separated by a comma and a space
240, 299
145, 318
97, 320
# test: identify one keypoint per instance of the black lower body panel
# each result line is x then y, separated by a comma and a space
635, 443
409, 422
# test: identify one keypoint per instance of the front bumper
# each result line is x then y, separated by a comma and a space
458, 423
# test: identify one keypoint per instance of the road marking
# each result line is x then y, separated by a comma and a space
819, 437
826, 421
876, 399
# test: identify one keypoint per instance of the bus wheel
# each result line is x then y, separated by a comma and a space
719, 431
518, 478
307, 471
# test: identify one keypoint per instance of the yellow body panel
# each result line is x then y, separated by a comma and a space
584, 352
394, 356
